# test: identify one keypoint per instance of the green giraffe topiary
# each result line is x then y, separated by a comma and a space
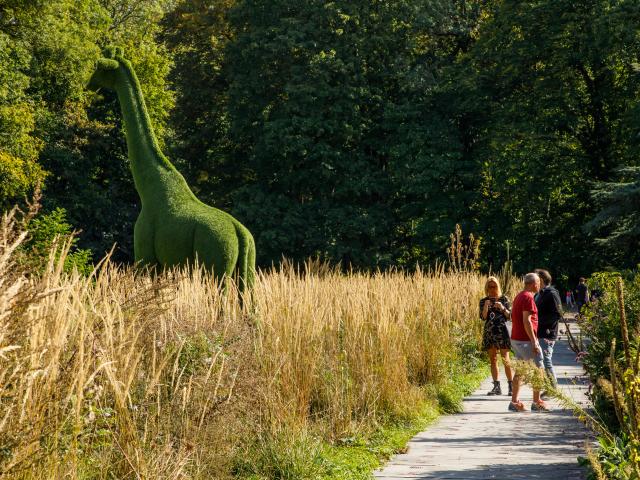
174, 227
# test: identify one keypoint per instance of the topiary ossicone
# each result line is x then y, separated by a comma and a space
174, 227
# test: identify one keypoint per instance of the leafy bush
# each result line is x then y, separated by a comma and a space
193, 353
17, 176
51, 233
614, 457
284, 455
603, 317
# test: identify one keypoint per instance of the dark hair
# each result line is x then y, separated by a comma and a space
544, 275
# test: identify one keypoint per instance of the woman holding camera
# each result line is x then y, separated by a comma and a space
495, 310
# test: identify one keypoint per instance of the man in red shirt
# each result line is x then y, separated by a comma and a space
524, 339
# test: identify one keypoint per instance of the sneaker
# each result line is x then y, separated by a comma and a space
496, 390
516, 407
510, 388
540, 406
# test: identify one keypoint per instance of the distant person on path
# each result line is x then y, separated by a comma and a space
582, 294
524, 340
569, 299
549, 315
495, 310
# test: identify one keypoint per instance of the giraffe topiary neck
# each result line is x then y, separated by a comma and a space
153, 174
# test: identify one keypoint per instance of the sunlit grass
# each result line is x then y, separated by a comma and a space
127, 375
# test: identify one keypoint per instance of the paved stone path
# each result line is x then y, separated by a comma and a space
487, 441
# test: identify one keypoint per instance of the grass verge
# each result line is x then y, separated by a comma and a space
305, 455
121, 374
356, 457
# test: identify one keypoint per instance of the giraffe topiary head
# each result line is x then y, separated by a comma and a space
106, 69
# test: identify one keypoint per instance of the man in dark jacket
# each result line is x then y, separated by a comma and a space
581, 294
549, 315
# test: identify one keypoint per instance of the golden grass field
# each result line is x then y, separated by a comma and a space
126, 375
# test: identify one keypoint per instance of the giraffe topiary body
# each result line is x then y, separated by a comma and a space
174, 227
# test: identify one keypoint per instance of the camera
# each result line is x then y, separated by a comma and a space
492, 305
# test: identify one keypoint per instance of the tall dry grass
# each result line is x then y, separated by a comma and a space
126, 375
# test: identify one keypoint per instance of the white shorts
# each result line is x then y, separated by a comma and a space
524, 351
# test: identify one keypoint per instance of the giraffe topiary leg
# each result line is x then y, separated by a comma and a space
143, 242
241, 265
251, 261
245, 267
216, 246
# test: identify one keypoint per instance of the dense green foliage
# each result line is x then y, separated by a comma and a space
360, 132
52, 128
555, 97
618, 219
53, 230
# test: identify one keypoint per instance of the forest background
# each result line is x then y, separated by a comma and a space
359, 132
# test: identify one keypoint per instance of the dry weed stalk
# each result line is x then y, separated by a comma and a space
463, 257
592, 456
575, 340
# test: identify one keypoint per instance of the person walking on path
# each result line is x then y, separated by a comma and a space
549, 315
495, 310
582, 294
524, 340
569, 299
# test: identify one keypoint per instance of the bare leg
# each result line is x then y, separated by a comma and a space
493, 358
536, 392
504, 352
516, 389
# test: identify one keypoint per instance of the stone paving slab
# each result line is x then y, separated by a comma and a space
487, 441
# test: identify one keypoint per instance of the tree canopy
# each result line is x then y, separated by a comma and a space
360, 132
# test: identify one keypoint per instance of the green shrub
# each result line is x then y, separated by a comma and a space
194, 352
285, 455
449, 399
47, 229
614, 458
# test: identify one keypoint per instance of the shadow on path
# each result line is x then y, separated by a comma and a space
561, 471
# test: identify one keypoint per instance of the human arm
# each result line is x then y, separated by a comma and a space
504, 310
504, 306
528, 328
484, 308
557, 303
